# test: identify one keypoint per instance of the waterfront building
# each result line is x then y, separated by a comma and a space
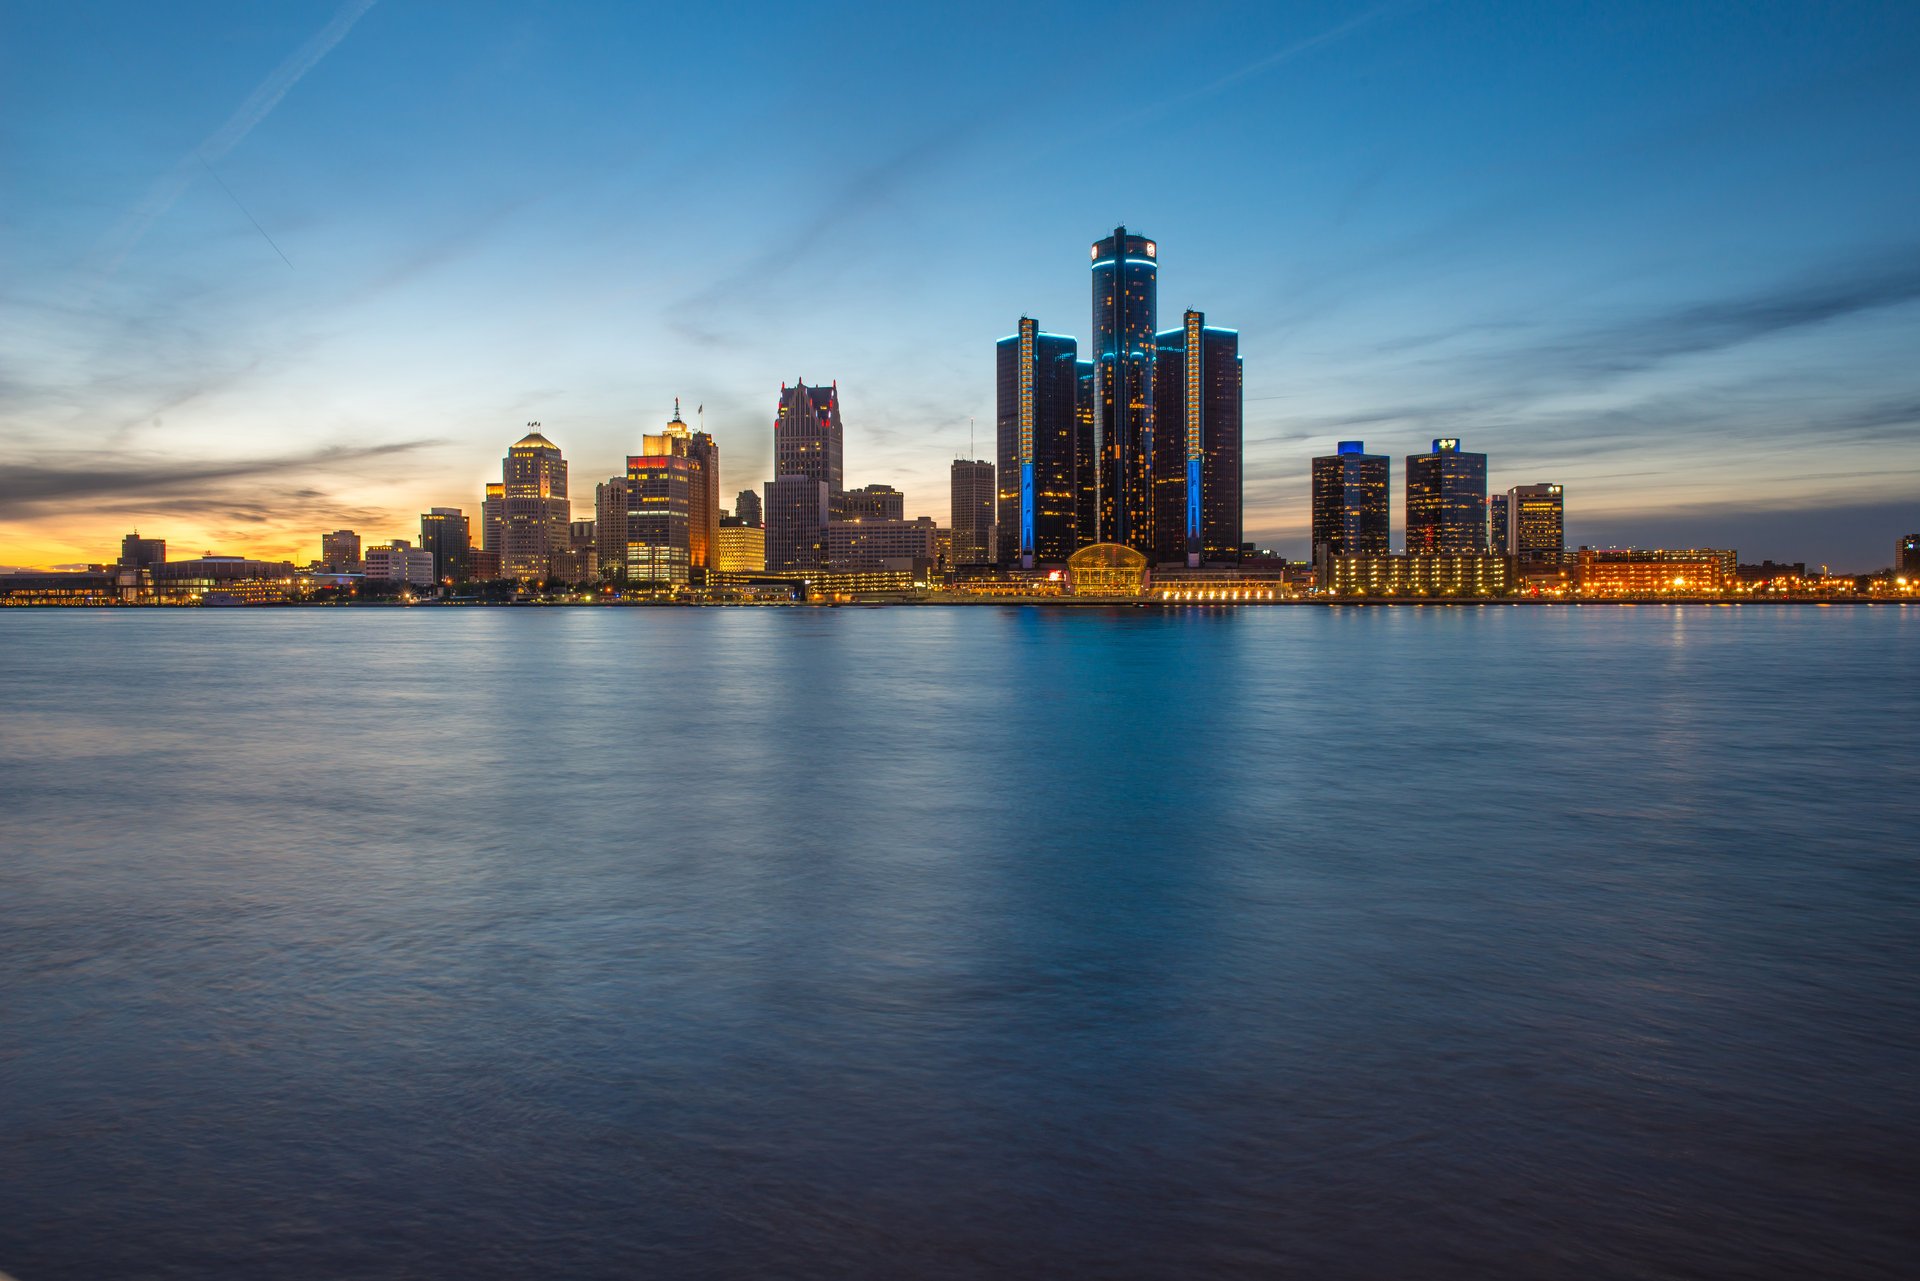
400, 562
1497, 524
1447, 501
1350, 512
809, 437
747, 508
660, 484
972, 500
493, 506
943, 549
1125, 298
534, 512
741, 548
1086, 458
484, 566
445, 536
224, 580
1906, 558
797, 512
1036, 384
340, 551
138, 553
1637, 571
1108, 569
871, 502
1536, 524
1196, 434
1417, 574
882, 544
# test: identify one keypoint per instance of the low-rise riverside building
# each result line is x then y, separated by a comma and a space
1420, 574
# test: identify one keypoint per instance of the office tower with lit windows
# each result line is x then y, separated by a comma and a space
534, 511
1447, 500
1497, 524
1196, 434
493, 505
809, 437
1036, 386
144, 553
742, 548
660, 483
798, 509
972, 518
1125, 296
1907, 556
703, 508
1536, 524
1350, 506
445, 536
340, 551
1086, 458
872, 502
747, 507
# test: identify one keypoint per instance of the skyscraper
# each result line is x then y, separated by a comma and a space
1497, 524
703, 500
808, 436
797, 512
972, 499
610, 529
1086, 458
1350, 514
1125, 287
1536, 524
1036, 388
1446, 500
660, 483
1907, 555
493, 509
1196, 432
534, 507
340, 551
444, 535
747, 508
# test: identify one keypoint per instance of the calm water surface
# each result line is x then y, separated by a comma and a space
960, 943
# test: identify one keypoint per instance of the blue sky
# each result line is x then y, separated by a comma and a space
270, 269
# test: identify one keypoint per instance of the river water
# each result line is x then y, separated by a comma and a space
966, 942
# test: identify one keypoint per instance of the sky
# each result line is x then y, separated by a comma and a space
268, 270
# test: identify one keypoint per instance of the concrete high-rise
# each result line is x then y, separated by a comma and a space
1125, 298
144, 553
340, 551
1350, 511
1536, 524
1497, 524
535, 512
808, 436
1446, 500
445, 536
610, 529
1196, 435
1036, 386
1907, 555
747, 507
972, 501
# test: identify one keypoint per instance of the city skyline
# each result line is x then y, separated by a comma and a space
294, 293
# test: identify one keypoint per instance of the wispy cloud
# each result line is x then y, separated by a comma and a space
98, 477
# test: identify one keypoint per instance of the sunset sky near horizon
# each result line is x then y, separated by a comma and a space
272, 270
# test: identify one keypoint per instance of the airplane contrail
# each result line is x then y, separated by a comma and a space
265, 97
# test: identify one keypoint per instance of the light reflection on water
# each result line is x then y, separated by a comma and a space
1447, 942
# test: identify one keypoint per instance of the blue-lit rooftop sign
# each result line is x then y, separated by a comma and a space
1353, 446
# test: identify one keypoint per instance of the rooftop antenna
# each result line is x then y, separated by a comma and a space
970, 449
